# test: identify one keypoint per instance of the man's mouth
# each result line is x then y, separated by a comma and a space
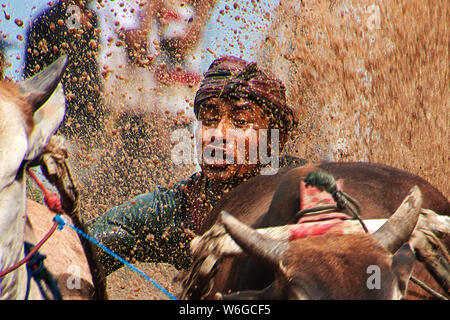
216, 156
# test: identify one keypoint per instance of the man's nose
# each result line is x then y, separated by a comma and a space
221, 129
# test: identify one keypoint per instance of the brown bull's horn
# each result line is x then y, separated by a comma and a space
40, 87
397, 230
253, 242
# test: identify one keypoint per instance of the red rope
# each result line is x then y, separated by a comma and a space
51, 199
32, 252
54, 204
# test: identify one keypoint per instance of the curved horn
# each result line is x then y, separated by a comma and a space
253, 242
397, 230
40, 87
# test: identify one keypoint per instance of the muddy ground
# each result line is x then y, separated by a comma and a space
130, 285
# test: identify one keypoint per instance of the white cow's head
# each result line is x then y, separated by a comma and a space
30, 112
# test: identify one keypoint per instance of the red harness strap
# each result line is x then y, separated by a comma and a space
311, 197
305, 230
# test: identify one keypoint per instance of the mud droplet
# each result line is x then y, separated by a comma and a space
18, 22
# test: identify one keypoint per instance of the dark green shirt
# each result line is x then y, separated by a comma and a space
158, 226
152, 227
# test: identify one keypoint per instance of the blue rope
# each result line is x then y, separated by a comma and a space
37, 270
62, 223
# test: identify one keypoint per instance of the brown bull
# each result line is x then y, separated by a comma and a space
275, 200
334, 266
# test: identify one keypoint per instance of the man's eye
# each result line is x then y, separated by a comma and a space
241, 122
209, 120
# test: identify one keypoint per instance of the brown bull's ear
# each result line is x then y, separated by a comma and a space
402, 266
40, 87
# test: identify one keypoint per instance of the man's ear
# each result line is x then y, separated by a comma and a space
47, 120
402, 266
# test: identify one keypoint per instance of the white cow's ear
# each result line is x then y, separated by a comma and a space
38, 88
47, 120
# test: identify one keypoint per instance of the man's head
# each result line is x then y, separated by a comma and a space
235, 101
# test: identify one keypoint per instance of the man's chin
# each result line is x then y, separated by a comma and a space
219, 172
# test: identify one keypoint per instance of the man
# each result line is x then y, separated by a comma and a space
69, 27
234, 95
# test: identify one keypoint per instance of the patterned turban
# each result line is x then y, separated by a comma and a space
236, 78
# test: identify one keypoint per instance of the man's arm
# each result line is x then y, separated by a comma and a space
148, 228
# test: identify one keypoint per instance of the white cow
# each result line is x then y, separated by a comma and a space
30, 112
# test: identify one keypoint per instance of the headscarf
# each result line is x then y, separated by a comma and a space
236, 78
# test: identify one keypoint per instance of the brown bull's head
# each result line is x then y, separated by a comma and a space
334, 266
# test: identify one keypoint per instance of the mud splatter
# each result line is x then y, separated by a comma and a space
367, 89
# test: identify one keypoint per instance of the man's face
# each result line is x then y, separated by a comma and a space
224, 121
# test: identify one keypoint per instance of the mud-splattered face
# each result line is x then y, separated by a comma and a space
230, 137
